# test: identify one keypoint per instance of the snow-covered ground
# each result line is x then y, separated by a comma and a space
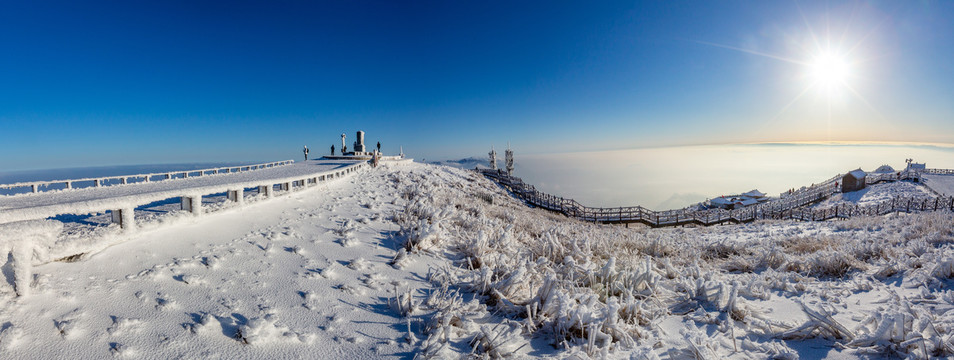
943, 184
305, 276
876, 193
419, 260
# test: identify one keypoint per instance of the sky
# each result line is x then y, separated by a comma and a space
98, 83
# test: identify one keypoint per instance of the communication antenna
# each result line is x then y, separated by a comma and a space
509, 160
493, 159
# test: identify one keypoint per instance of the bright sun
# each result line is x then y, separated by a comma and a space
829, 70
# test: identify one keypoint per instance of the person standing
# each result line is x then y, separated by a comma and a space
306, 152
332, 149
379, 146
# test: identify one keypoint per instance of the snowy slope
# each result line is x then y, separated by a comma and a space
303, 276
873, 194
345, 269
943, 184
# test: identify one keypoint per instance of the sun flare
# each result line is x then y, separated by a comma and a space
828, 69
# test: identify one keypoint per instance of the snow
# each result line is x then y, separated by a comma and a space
410, 260
877, 193
943, 184
88, 200
857, 174
884, 169
269, 280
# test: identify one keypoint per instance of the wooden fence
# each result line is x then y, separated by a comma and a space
790, 207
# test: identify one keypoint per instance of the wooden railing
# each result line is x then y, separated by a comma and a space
40, 186
939, 171
790, 207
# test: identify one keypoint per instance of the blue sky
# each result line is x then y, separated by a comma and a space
124, 82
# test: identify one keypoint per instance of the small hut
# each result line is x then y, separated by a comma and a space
853, 181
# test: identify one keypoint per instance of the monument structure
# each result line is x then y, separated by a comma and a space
359, 144
360, 151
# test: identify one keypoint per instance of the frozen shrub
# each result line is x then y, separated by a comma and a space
807, 245
498, 341
944, 269
722, 250
831, 264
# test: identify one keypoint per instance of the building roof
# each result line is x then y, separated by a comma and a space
857, 174
754, 193
884, 169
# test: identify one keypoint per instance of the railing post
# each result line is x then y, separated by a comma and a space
125, 218
266, 189
236, 195
96, 183
192, 204
33, 187
69, 185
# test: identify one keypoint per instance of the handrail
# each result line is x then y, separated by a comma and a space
939, 171
99, 181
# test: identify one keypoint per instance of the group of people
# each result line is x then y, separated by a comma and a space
343, 150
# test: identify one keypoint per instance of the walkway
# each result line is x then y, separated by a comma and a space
790, 207
43, 205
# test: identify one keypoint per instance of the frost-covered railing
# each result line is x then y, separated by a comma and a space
939, 171
791, 207
903, 175
123, 201
30, 237
40, 186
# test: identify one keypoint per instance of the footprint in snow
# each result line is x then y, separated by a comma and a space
122, 325
66, 324
10, 335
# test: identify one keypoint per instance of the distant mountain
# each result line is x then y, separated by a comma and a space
468, 163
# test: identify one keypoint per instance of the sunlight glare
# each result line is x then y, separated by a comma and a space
829, 70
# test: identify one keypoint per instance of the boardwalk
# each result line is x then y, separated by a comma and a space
789, 207
127, 197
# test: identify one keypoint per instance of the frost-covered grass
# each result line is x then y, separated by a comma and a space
756, 290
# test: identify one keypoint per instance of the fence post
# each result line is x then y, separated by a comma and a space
237, 195
33, 187
192, 204
125, 218
69, 185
